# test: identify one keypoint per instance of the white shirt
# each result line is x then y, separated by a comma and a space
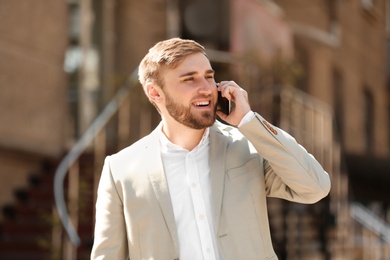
188, 177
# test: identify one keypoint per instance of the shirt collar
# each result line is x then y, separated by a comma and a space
168, 146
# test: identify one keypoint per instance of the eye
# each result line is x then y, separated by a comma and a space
189, 79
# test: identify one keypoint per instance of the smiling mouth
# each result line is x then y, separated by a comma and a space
202, 104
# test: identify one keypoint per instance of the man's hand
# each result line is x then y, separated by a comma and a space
237, 95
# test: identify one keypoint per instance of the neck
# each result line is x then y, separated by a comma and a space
181, 135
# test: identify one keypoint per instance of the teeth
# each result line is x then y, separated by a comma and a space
204, 103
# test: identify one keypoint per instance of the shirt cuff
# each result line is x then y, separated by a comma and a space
248, 117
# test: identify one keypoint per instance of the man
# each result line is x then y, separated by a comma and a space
196, 188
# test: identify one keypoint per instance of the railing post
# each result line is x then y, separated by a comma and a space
56, 235
70, 251
99, 155
124, 112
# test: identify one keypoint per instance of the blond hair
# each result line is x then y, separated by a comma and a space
165, 54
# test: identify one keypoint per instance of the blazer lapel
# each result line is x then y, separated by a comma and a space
160, 185
218, 144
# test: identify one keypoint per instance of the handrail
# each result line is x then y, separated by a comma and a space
371, 221
110, 109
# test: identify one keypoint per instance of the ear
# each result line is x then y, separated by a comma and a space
154, 93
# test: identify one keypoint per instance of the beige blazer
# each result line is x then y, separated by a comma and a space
134, 214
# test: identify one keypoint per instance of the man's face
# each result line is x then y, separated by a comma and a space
191, 93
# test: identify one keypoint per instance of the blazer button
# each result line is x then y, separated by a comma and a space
270, 127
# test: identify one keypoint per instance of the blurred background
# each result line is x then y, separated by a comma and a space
69, 96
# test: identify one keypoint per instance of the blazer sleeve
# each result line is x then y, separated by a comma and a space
110, 231
290, 171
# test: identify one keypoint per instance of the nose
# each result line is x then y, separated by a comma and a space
206, 86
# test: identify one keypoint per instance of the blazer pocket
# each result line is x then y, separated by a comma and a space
248, 168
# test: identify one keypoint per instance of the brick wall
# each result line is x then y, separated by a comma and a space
32, 81
358, 55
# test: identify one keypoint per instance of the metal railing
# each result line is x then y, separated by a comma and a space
311, 122
370, 220
86, 139
371, 232
358, 230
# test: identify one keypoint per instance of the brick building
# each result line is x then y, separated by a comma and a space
33, 87
319, 69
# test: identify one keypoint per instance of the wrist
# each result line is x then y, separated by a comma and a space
247, 117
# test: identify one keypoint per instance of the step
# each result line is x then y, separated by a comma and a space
21, 255
32, 242
29, 229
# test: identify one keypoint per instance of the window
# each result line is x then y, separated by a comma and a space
369, 120
338, 102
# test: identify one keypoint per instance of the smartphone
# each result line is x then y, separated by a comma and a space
223, 104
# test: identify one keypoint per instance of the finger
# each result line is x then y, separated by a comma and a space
230, 91
222, 115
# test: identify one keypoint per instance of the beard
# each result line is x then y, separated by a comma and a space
183, 115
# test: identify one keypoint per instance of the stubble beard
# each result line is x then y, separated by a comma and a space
183, 115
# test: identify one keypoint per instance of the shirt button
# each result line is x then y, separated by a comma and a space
201, 216
194, 185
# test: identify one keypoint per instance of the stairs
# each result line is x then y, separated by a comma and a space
25, 229
30, 228
300, 231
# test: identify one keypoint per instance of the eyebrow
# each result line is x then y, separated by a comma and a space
191, 73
